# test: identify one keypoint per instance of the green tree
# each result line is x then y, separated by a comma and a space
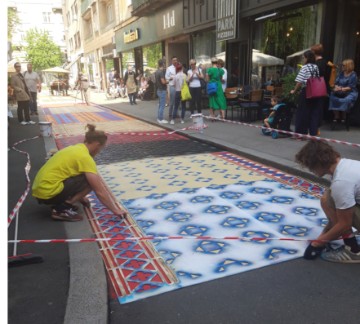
13, 21
41, 51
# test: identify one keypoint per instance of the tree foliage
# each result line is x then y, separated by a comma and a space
13, 21
41, 51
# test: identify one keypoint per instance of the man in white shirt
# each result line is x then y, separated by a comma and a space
340, 203
33, 83
170, 78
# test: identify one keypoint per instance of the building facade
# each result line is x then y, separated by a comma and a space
40, 14
259, 40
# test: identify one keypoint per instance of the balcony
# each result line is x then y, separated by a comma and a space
85, 4
147, 7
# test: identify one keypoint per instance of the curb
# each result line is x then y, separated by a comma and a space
87, 300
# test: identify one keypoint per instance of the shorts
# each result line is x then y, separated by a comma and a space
72, 186
356, 217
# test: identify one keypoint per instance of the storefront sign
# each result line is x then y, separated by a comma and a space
131, 36
169, 19
225, 20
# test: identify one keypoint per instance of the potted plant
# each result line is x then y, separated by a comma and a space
288, 84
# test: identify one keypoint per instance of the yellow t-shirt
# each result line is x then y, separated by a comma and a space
68, 162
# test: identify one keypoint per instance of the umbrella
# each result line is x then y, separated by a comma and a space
57, 70
262, 59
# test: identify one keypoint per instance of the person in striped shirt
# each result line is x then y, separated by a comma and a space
309, 112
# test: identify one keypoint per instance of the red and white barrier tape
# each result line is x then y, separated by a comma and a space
27, 170
155, 238
297, 135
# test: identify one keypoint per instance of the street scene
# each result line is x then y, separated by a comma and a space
167, 167
174, 184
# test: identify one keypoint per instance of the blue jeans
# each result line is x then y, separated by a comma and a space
162, 99
177, 102
172, 100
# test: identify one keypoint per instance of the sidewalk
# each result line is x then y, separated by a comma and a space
244, 139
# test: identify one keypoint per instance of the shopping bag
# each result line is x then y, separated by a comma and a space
185, 91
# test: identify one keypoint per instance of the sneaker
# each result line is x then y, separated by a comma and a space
341, 255
182, 121
68, 215
23, 123
31, 122
172, 122
159, 121
164, 121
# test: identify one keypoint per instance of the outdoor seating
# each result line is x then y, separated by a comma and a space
250, 108
232, 96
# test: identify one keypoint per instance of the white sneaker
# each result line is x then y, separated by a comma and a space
31, 122
172, 122
182, 121
164, 121
23, 123
159, 121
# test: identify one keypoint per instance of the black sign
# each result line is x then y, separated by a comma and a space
225, 20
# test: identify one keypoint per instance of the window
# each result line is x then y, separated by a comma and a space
109, 12
46, 17
279, 43
68, 18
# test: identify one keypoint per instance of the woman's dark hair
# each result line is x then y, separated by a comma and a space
310, 57
93, 135
178, 67
316, 154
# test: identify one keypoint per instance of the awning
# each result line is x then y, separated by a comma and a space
68, 66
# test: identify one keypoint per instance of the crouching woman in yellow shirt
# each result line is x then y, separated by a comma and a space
69, 175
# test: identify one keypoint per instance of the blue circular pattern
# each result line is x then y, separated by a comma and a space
217, 209
231, 195
298, 231
193, 230
179, 217
248, 205
235, 222
210, 247
260, 191
306, 211
281, 200
202, 199
168, 205
261, 237
269, 217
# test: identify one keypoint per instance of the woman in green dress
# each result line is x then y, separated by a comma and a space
218, 100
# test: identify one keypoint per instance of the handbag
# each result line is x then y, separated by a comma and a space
212, 87
185, 91
315, 86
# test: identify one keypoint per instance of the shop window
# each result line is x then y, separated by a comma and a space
279, 42
151, 56
205, 47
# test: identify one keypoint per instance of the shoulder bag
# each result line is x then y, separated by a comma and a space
212, 88
185, 92
315, 85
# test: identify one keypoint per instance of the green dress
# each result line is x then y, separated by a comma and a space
217, 101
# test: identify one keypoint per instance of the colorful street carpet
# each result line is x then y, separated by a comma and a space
196, 213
